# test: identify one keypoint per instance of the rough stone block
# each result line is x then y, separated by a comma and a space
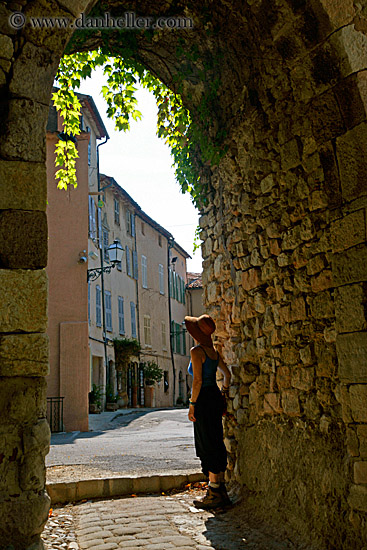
290, 402
6, 47
360, 473
251, 279
322, 306
358, 402
298, 309
352, 442
34, 60
24, 135
350, 266
352, 357
24, 355
302, 378
272, 403
23, 297
33, 513
23, 185
290, 155
358, 498
348, 231
351, 96
349, 308
326, 361
351, 45
22, 400
351, 151
323, 281
27, 248
283, 378
362, 437
37, 437
326, 119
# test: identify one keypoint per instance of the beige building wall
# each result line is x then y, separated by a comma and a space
67, 213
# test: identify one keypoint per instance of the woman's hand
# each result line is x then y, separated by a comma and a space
192, 413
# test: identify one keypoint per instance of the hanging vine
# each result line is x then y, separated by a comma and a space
174, 123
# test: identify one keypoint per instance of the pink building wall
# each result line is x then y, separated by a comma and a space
67, 213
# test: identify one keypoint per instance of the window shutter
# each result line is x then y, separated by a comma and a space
161, 278
121, 315
91, 202
133, 319
89, 302
183, 342
144, 272
94, 226
132, 225
173, 336
98, 307
128, 261
135, 264
108, 310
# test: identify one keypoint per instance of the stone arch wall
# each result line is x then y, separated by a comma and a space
284, 246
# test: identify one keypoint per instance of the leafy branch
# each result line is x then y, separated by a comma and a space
174, 123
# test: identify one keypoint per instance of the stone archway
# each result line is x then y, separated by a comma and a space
284, 245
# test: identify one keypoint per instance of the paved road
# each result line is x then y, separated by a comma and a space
135, 442
157, 523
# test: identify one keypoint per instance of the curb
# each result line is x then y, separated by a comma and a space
62, 493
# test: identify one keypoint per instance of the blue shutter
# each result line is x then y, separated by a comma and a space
132, 225
133, 319
121, 315
98, 307
135, 264
108, 306
100, 234
128, 261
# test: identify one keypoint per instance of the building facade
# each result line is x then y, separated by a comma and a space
142, 298
68, 382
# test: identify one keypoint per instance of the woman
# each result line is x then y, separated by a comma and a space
206, 408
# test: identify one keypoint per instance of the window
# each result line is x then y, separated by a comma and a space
128, 261
144, 272
98, 307
143, 228
92, 219
108, 307
147, 331
105, 245
89, 152
160, 240
89, 302
119, 264
170, 283
161, 278
178, 337
133, 319
164, 335
121, 315
130, 223
135, 264
117, 211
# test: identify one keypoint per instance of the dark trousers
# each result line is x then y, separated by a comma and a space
208, 431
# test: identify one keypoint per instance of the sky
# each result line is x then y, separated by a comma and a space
141, 163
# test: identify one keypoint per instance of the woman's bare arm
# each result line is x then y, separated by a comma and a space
225, 371
197, 368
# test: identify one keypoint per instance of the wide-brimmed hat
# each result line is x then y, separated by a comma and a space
201, 328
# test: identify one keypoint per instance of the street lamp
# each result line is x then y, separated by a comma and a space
115, 252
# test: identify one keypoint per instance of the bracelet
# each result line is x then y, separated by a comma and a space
192, 402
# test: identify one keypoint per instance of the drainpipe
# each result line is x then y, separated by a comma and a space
101, 252
170, 242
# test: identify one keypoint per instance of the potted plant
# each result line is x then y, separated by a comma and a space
125, 350
95, 399
111, 399
152, 374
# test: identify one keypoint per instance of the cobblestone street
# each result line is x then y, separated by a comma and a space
154, 522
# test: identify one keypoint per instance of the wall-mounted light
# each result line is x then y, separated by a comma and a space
115, 252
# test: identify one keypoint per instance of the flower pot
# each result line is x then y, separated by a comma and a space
149, 397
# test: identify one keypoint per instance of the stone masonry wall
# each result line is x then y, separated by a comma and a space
28, 63
285, 274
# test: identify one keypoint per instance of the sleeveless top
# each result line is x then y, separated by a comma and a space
209, 372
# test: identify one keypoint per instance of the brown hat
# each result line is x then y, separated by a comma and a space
201, 328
